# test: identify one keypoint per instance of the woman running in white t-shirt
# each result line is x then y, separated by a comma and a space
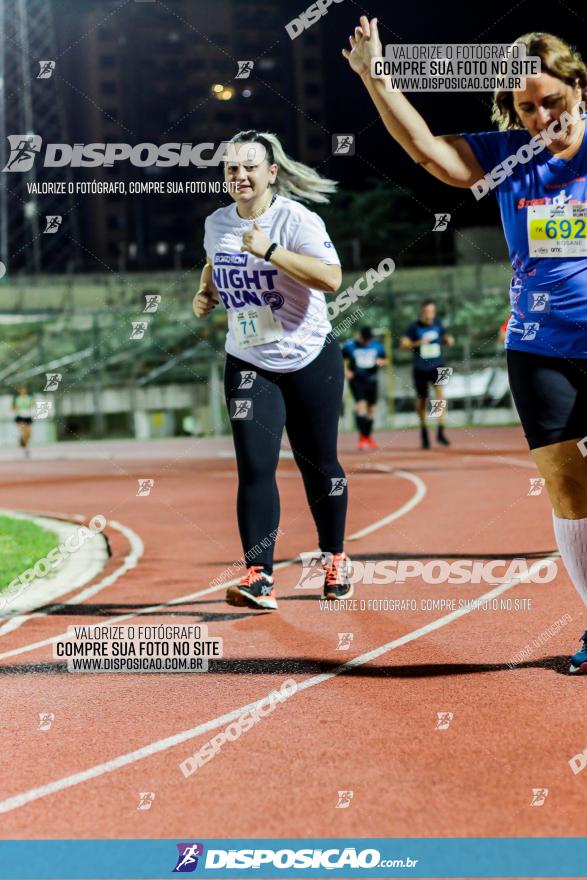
269, 261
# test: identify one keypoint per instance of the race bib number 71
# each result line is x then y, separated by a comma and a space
254, 326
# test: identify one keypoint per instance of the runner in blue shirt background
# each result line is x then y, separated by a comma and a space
425, 338
541, 189
363, 356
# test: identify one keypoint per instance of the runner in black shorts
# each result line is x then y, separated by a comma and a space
425, 337
536, 166
551, 397
364, 355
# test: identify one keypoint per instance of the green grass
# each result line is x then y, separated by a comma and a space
22, 544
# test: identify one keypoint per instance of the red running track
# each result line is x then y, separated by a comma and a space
369, 729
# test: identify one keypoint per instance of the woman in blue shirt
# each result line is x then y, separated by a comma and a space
536, 165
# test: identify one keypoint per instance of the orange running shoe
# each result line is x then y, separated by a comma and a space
371, 442
337, 583
363, 442
255, 589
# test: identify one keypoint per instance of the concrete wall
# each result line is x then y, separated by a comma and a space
153, 410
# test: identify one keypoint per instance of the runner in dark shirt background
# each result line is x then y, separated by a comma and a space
363, 357
425, 338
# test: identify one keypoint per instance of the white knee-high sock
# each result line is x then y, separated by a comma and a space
571, 537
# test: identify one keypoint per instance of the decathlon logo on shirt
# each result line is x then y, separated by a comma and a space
230, 259
239, 286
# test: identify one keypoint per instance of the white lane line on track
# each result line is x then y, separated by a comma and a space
405, 508
402, 511
33, 794
527, 463
130, 561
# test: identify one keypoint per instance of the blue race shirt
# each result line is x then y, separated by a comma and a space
429, 354
363, 357
548, 294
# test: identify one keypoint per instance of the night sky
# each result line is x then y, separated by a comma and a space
348, 106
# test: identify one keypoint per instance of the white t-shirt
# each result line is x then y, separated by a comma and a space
245, 281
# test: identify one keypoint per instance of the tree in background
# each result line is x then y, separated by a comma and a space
385, 221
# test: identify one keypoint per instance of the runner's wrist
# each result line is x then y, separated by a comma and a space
270, 251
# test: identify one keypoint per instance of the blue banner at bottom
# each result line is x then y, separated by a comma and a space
277, 858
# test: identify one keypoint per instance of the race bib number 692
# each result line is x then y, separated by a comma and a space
557, 231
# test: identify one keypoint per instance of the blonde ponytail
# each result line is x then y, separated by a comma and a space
294, 179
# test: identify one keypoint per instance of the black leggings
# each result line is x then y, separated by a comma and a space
307, 403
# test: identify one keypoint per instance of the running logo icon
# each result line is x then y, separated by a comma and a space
437, 408
241, 409
187, 860
145, 487
53, 223
344, 641
343, 145
539, 795
444, 374
46, 69
441, 222
146, 799
443, 720
23, 149
152, 301
344, 800
244, 69
138, 329
312, 576
536, 485
46, 719
247, 379
42, 409
338, 485
540, 301
53, 380
530, 331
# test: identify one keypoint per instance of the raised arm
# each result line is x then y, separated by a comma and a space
447, 157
